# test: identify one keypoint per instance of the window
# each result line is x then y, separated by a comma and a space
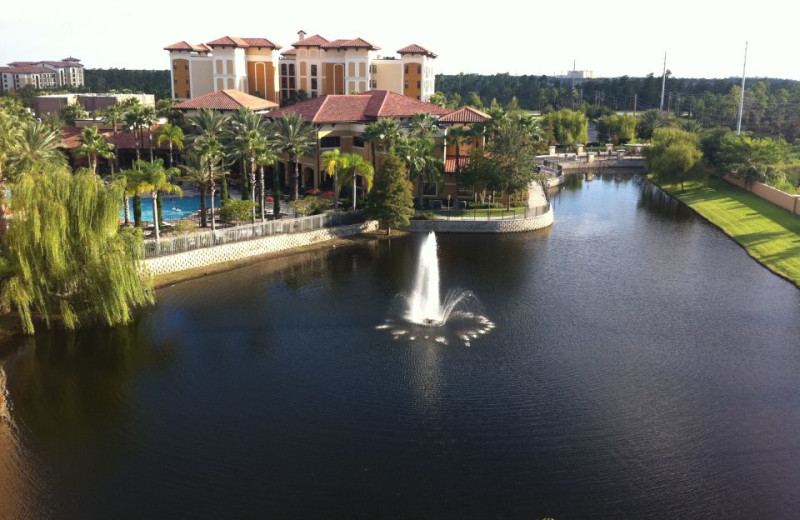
313, 82
329, 142
406, 69
373, 83
313, 72
430, 188
405, 84
419, 69
373, 68
186, 67
358, 141
419, 84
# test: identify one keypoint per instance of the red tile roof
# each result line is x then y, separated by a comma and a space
357, 43
229, 41
416, 49
261, 42
70, 58
125, 141
366, 107
181, 46
465, 115
311, 41
450, 163
226, 100
21, 63
290, 52
30, 69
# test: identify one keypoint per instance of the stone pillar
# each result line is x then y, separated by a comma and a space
579, 149
609, 148
590, 157
551, 150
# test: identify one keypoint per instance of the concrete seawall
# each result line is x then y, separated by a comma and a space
484, 226
249, 248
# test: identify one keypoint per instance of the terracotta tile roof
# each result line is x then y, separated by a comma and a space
357, 43
261, 42
229, 41
365, 108
450, 163
125, 141
21, 63
70, 58
290, 52
59, 64
226, 100
181, 46
30, 69
416, 49
465, 115
311, 41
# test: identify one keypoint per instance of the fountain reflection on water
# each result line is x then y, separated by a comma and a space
426, 312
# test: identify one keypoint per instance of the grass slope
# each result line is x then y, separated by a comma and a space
770, 234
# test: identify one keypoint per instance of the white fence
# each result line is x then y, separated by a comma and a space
228, 235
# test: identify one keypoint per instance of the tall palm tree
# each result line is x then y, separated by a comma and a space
93, 145
245, 136
149, 117
133, 193
264, 157
212, 124
132, 124
155, 180
382, 135
195, 171
113, 116
352, 166
210, 149
172, 135
296, 138
332, 161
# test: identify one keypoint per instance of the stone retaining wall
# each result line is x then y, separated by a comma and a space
483, 226
239, 250
787, 201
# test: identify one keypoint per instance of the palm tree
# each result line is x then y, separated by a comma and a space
149, 116
332, 160
210, 149
133, 124
155, 180
211, 124
264, 157
37, 146
352, 166
113, 116
245, 137
422, 166
195, 171
133, 192
295, 137
172, 135
382, 134
93, 145
422, 125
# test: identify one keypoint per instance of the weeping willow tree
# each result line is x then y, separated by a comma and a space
66, 257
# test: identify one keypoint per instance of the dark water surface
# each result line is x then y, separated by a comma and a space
643, 366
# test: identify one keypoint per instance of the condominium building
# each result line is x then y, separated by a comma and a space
314, 65
42, 75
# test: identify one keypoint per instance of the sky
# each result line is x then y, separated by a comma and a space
701, 38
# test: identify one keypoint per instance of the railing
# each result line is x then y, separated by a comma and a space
477, 214
227, 235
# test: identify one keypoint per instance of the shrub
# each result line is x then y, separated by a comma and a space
423, 215
311, 206
234, 210
183, 227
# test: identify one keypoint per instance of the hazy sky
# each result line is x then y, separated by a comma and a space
702, 38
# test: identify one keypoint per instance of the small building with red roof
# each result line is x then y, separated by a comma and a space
226, 101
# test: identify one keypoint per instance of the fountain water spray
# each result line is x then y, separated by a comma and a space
424, 304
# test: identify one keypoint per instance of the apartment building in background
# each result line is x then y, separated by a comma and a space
42, 75
314, 65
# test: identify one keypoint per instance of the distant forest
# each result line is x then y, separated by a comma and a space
146, 81
772, 106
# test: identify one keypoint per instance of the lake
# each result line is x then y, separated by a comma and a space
641, 366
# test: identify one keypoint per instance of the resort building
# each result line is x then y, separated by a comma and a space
340, 122
225, 101
54, 103
314, 65
42, 74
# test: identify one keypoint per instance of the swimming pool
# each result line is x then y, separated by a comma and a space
175, 208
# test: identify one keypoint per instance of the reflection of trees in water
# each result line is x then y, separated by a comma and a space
656, 201
63, 384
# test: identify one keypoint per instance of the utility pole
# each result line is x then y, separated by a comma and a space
663, 82
635, 99
741, 96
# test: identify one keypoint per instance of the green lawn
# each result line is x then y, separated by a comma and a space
770, 234
479, 213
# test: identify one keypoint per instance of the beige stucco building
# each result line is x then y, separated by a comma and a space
42, 74
314, 65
